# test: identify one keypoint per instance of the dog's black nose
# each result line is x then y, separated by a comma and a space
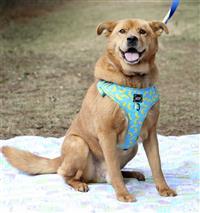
132, 40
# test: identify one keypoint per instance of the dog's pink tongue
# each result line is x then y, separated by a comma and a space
131, 56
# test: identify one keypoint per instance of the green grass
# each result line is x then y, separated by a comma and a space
47, 63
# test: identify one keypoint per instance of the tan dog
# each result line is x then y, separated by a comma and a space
89, 152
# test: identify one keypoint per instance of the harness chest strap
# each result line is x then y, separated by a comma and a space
135, 102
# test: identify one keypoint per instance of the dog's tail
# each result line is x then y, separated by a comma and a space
30, 163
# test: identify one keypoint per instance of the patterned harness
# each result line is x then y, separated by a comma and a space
135, 102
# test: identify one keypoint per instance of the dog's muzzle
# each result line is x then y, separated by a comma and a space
132, 55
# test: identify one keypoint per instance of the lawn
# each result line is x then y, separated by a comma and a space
47, 63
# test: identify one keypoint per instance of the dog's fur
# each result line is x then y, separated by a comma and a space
89, 152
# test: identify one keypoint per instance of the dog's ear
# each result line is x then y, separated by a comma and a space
106, 28
158, 27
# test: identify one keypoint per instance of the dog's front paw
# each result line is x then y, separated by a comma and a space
125, 197
166, 191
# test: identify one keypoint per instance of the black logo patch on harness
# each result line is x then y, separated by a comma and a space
137, 98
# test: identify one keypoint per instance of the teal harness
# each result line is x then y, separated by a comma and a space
135, 102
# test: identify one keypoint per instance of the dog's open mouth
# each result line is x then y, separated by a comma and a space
132, 55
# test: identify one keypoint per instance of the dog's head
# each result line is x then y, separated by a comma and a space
132, 42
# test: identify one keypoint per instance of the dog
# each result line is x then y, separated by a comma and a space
90, 151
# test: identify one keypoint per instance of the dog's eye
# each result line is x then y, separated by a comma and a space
142, 32
122, 31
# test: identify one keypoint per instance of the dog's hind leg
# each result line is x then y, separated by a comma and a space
133, 174
77, 182
75, 154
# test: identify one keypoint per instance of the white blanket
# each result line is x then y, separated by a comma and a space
49, 193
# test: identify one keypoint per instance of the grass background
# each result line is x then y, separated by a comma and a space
47, 57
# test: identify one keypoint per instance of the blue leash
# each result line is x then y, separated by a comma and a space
171, 11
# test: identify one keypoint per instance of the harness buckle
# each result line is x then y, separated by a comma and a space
138, 98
